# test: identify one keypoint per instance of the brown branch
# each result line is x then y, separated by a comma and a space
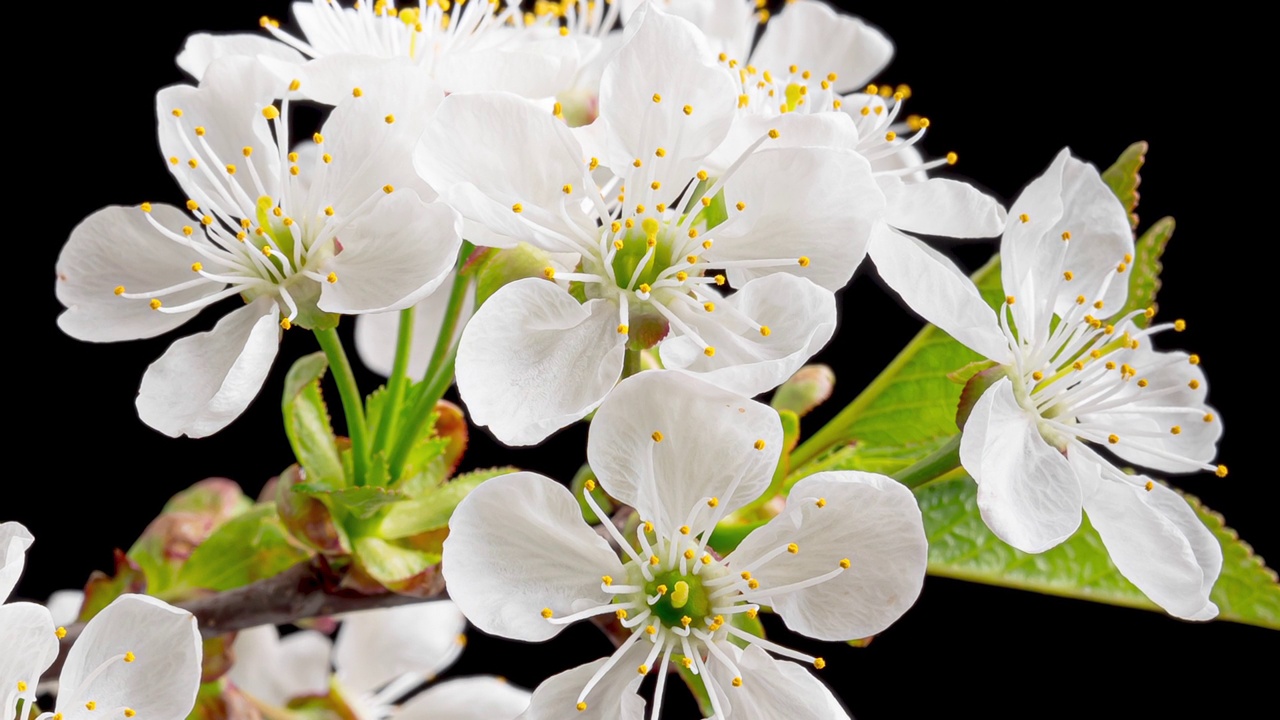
306, 590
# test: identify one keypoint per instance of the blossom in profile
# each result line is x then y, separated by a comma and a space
543, 352
1078, 390
300, 235
379, 658
843, 560
138, 657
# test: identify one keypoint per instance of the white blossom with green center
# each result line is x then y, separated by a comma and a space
344, 227
137, 658
843, 560
543, 352
1076, 376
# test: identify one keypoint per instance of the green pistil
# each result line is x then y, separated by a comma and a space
684, 597
635, 245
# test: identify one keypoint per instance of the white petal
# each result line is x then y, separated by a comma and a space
371, 138
205, 381
376, 333
532, 68
488, 152
707, 447
117, 246
533, 360
30, 647
941, 207
827, 129
931, 285
730, 25
814, 37
801, 318
64, 605
1070, 197
871, 520
667, 59
14, 541
162, 679
1028, 493
275, 670
228, 106
201, 49
614, 697
392, 256
375, 647
773, 689
518, 544
817, 203
1156, 541
483, 697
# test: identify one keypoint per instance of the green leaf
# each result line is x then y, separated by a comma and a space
250, 547
361, 502
961, 546
102, 589
306, 422
1144, 271
392, 563
1123, 178
432, 510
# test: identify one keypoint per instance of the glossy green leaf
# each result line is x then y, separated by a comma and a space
306, 422
250, 547
961, 546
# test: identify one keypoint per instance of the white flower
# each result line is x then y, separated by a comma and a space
138, 657
344, 230
1078, 375
535, 358
380, 656
844, 559
463, 46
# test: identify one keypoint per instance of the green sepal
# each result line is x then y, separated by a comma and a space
578, 485
1123, 178
432, 510
1144, 271
252, 546
102, 589
503, 267
729, 535
307, 425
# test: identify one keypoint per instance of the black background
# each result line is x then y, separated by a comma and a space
1004, 88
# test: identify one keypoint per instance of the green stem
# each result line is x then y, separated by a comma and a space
397, 382
934, 466
452, 311
631, 363
425, 404
352, 403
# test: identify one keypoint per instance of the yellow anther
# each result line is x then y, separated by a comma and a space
754, 584
702, 175
1194, 359
517, 208
655, 185
1121, 268
1175, 430
91, 706
1208, 417
643, 670
1128, 258
1149, 485
793, 548
723, 57
752, 613
1098, 304
1066, 234
546, 613
1037, 376
388, 188
765, 330
328, 211
682, 276
759, 444
629, 223
653, 560
145, 207
803, 260
688, 109
607, 580
1142, 383
691, 259
709, 306
327, 158
640, 209
567, 189
1113, 439
192, 205
686, 620
687, 663
595, 163
657, 436
662, 207
590, 485
318, 138
651, 630
952, 158
270, 112
688, 555
1078, 365
196, 267
890, 136
581, 706
709, 351
266, 250
564, 31
199, 131
713, 502
1024, 218
1068, 276
637, 162
706, 559
549, 272
924, 122
176, 112
1194, 384
231, 169
821, 502
61, 632
285, 324
332, 277
193, 163
173, 160
644, 288
819, 663
865, 111
389, 119
737, 682
246, 151
648, 526
293, 170
845, 564
241, 236
773, 133
1221, 471
22, 687
187, 230
621, 614
356, 92
1080, 300
246, 223
657, 98
1179, 325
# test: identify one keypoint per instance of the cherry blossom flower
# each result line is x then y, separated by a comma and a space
137, 657
843, 560
380, 656
541, 353
349, 230
1076, 374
